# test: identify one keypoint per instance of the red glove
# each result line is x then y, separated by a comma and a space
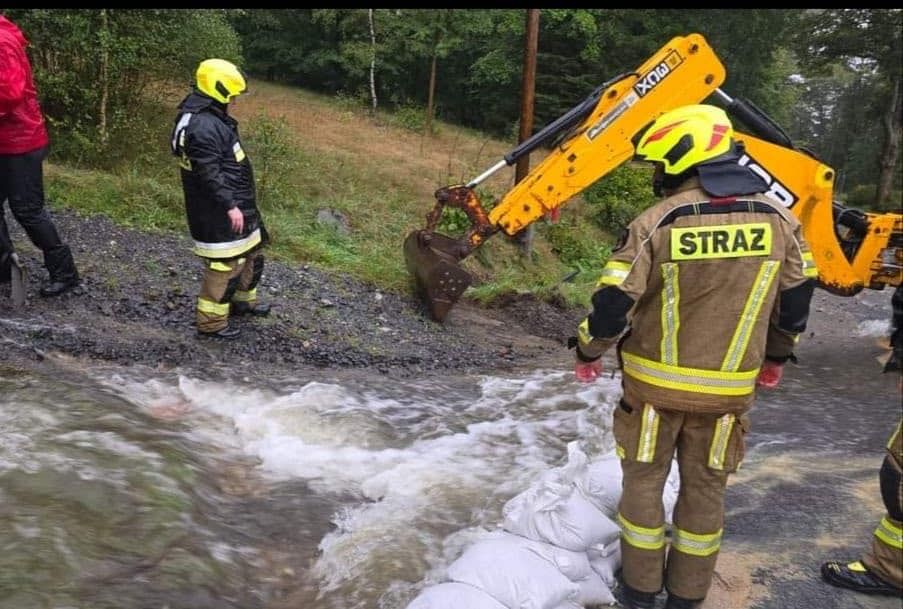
587, 372
770, 374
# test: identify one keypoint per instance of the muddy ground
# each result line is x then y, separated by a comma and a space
136, 305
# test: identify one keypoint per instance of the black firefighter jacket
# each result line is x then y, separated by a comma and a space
216, 176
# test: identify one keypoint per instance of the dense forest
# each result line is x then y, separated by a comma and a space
832, 78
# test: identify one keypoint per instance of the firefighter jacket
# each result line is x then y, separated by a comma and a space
710, 288
22, 126
216, 176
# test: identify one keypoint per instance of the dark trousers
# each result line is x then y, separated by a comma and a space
22, 185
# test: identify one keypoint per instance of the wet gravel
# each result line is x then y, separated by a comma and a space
136, 305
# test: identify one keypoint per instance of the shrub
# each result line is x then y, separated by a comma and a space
619, 197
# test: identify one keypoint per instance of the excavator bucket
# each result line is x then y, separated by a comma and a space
432, 260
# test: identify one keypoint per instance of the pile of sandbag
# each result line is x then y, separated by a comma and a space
558, 546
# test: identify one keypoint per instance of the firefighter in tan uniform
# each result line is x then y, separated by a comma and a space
881, 569
715, 283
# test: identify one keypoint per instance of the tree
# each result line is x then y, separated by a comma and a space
870, 43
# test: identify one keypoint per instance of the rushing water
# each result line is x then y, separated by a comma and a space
136, 490
126, 488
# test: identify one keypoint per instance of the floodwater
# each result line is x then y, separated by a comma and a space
135, 489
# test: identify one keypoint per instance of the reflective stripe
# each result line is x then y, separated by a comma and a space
228, 249
893, 438
670, 312
645, 451
220, 266
212, 308
619, 450
641, 537
695, 380
723, 427
245, 296
583, 332
614, 273
739, 342
694, 543
809, 268
889, 533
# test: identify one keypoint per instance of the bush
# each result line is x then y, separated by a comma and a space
862, 196
274, 157
619, 197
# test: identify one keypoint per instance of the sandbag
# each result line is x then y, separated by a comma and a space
452, 595
606, 561
513, 575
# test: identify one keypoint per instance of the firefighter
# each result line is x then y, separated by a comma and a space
220, 200
714, 282
880, 571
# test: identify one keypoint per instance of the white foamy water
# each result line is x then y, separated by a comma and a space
422, 467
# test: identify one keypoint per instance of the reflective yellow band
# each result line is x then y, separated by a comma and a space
695, 544
245, 296
212, 308
721, 241
641, 537
583, 332
645, 451
890, 533
670, 312
809, 268
695, 380
614, 273
220, 266
723, 427
619, 450
768, 270
893, 438
229, 249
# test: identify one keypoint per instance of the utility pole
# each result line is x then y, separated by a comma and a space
528, 90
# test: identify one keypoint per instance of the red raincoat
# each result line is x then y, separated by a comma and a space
21, 122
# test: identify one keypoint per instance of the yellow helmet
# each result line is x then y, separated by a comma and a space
220, 79
685, 137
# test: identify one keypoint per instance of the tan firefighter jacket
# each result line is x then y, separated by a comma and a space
708, 288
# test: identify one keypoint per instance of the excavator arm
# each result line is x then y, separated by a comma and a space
595, 137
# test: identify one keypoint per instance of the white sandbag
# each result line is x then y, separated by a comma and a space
605, 561
594, 591
573, 565
452, 595
601, 483
513, 575
602, 480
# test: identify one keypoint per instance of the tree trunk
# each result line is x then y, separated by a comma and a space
431, 94
891, 121
104, 75
372, 63
531, 43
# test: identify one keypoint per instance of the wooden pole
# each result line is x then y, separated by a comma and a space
528, 90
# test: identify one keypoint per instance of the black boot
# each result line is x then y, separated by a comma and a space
55, 287
227, 333
634, 599
243, 308
676, 602
855, 576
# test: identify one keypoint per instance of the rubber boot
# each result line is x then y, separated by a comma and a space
854, 576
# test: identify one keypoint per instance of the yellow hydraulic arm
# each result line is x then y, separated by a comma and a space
595, 137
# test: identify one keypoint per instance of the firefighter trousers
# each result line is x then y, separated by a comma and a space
225, 282
708, 447
885, 559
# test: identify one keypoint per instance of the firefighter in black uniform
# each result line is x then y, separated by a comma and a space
220, 199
